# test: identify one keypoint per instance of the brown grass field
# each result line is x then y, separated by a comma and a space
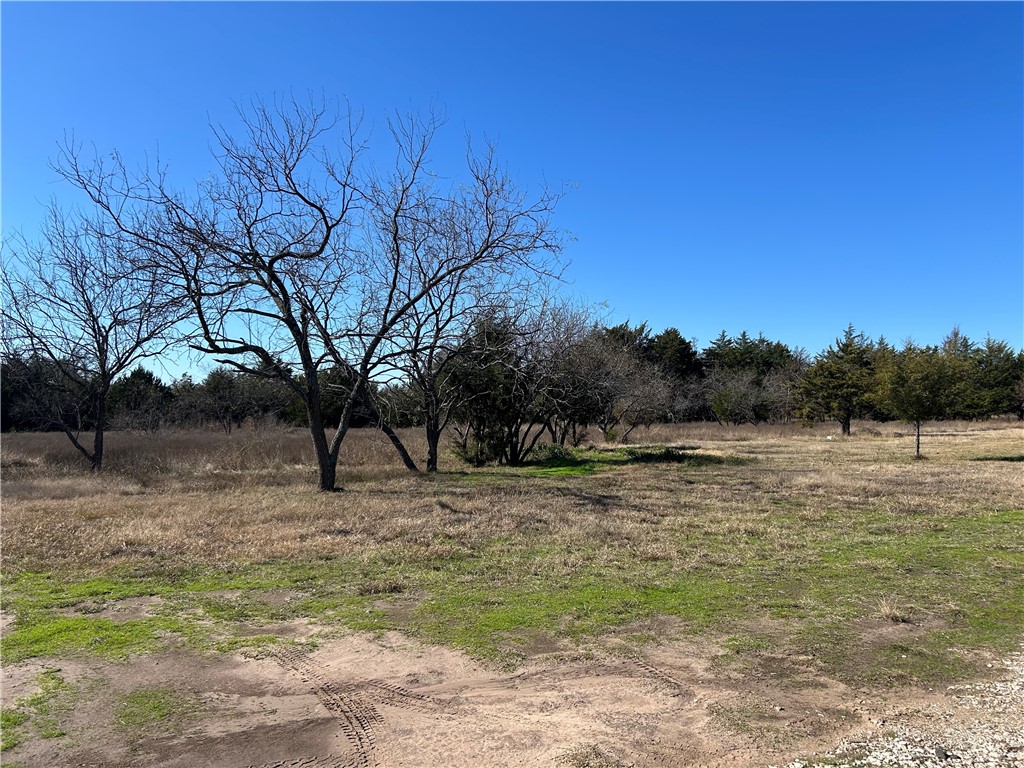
706, 596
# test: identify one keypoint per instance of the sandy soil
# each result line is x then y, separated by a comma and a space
390, 701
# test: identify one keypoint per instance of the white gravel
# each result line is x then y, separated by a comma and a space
976, 726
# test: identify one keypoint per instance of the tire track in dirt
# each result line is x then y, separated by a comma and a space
377, 691
682, 689
631, 667
397, 696
356, 718
354, 705
332, 761
313, 761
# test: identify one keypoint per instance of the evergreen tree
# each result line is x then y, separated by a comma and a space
139, 401
914, 385
500, 382
839, 383
636, 340
966, 399
999, 372
751, 380
675, 355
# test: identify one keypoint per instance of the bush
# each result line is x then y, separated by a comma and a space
472, 450
553, 453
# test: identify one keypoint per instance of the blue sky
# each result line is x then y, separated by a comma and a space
785, 168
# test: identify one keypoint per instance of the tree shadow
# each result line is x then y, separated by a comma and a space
594, 461
674, 455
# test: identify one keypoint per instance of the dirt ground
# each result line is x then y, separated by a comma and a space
361, 700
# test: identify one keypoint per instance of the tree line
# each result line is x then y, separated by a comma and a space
558, 375
333, 291
37, 397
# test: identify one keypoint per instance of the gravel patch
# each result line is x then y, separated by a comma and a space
980, 725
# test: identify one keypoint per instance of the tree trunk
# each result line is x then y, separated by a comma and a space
432, 426
100, 426
326, 459
917, 455
328, 466
397, 442
73, 437
846, 425
433, 438
577, 437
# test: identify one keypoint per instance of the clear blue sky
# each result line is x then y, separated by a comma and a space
770, 167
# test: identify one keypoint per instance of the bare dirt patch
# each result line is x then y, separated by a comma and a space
392, 701
120, 610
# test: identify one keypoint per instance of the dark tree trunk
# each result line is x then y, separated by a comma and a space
917, 454
97, 440
326, 459
397, 442
328, 466
845, 422
73, 437
433, 439
432, 425
577, 436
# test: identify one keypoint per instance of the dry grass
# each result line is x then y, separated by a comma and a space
776, 528
210, 497
892, 608
166, 458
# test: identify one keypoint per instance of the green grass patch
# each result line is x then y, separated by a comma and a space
747, 643
486, 616
819, 572
671, 455
200, 606
11, 734
580, 468
57, 636
41, 713
957, 585
154, 709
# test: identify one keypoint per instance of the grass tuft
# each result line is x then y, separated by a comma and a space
150, 709
891, 608
42, 712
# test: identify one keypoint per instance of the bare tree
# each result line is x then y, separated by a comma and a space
432, 332
571, 394
629, 390
294, 259
73, 303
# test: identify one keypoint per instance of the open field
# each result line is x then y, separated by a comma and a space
710, 596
